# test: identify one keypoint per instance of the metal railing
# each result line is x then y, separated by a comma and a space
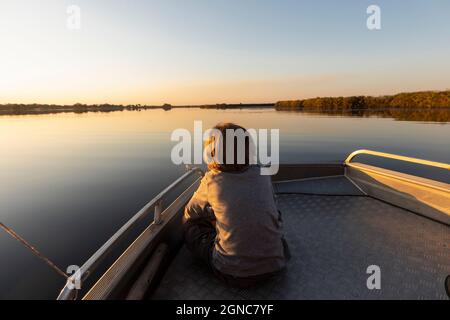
397, 157
155, 206
399, 176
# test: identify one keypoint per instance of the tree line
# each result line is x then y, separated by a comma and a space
409, 100
35, 108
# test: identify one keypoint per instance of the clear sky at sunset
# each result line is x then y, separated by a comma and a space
214, 51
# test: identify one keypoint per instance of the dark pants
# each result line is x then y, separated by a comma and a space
200, 237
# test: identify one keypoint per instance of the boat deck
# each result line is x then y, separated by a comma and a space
334, 233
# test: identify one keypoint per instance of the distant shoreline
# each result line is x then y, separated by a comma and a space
408, 100
424, 100
31, 109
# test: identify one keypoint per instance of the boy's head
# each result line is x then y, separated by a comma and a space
229, 148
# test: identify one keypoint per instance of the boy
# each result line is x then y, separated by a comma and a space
232, 222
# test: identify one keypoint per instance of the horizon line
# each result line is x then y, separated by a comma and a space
222, 103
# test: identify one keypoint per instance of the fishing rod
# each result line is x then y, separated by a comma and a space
36, 252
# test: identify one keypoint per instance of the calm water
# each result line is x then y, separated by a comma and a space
69, 181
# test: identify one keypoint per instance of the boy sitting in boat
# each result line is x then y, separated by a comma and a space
232, 222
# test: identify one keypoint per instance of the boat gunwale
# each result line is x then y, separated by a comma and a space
70, 293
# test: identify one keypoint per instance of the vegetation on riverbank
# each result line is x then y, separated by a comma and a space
415, 106
412, 100
23, 109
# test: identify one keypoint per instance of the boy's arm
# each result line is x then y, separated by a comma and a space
198, 206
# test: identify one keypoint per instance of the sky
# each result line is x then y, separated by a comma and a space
219, 51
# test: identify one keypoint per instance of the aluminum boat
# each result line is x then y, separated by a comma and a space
340, 219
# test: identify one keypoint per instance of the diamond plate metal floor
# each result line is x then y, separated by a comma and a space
333, 239
338, 185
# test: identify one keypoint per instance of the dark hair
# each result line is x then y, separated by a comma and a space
223, 165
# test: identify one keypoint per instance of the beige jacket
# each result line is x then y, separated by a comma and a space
249, 229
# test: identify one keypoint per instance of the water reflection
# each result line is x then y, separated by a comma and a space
423, 115
410, 114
